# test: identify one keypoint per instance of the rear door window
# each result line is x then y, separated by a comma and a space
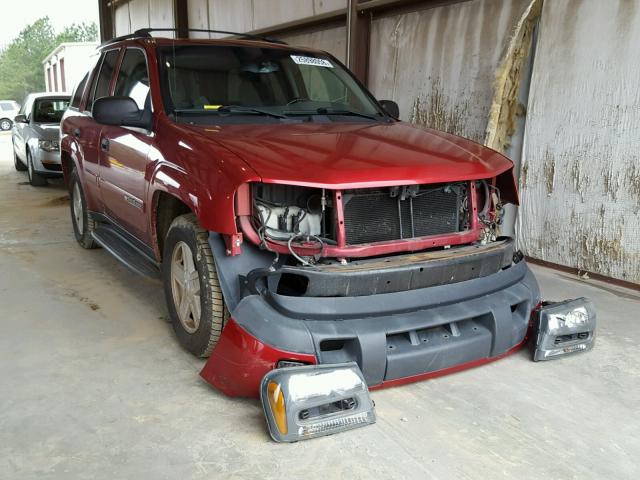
103, 80
133, 78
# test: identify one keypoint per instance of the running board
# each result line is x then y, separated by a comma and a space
124, 250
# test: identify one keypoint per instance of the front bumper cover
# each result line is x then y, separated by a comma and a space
394, 337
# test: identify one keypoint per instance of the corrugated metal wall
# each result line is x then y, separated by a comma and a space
247, 15
580, 180
136, 14
440, 64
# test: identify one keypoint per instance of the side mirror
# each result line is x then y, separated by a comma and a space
20, 119
120, 111
391, 108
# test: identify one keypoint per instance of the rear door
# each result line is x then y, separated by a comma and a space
124, 152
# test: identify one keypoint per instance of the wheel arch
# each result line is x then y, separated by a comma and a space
165, 208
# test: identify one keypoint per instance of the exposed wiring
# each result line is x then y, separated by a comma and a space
308, 237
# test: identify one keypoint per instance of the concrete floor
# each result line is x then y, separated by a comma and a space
94, 385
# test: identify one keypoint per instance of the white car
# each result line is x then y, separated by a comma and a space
8, 110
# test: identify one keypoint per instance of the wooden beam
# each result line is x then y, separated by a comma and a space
181, 18
358, 40
105, 12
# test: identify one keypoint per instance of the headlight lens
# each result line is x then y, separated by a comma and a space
571, 319
49, 145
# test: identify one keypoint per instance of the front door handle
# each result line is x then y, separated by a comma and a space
76, 133
104, 144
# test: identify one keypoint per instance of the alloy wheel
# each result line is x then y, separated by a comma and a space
78, 214
5, 125
185, 287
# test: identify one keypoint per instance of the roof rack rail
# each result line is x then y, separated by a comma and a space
146, 33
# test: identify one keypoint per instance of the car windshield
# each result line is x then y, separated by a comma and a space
233, 84
49, 110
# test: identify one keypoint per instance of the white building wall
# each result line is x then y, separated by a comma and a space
580, 181
77, 61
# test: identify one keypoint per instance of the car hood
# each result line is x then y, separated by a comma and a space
349, 155
46, 132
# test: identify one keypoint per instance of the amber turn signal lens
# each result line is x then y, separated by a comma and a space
276, 401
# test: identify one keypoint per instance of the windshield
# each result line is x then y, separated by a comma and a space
229, 84
49, 110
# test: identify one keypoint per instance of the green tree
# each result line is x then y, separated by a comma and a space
21, 70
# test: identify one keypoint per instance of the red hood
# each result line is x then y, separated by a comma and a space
349, 155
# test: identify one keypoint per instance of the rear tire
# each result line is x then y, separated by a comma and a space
35, 179
5, 124
191, 287
82, 222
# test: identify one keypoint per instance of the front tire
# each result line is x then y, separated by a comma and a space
192, 290
82, 222
35, 179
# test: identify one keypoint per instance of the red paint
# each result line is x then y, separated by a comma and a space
239, 361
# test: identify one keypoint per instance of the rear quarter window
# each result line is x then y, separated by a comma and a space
77, 93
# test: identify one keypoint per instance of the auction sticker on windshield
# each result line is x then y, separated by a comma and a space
318, 62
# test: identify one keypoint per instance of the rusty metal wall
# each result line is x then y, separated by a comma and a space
580, 180
439, 64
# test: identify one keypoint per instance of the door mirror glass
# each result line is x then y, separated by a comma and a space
20, 119
119, 111
391, 108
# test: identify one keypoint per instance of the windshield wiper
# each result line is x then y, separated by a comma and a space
243, 109
227, 109
326, 111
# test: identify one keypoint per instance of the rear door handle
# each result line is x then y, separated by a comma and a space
76, 133
104, 144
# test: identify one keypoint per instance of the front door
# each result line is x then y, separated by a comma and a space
87, 131
124, 153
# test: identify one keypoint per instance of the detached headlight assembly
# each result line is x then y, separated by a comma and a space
49, 145
565, 328
314, 400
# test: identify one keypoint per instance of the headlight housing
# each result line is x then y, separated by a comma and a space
564, 328
49, 145
315, 400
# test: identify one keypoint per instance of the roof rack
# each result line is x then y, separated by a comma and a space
146, 33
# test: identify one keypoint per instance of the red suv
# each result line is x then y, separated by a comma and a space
291, 217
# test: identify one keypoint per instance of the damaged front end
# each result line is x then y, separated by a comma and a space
407, 281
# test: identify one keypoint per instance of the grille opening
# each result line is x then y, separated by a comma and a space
293, 285
331, 345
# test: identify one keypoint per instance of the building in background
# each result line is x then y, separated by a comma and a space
66, 65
